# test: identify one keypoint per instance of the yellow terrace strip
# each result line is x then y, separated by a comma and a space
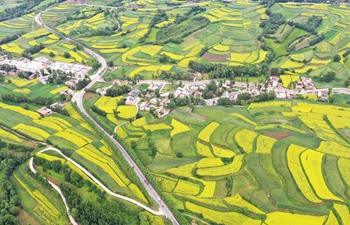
204, 150
221, 217
225, 170
195, 51
222, 153
172, 55
240, 116
343, 212
312, 164
58, 90
50, 157
31, 131
184, 63
151, 50
178, 127
293, 218
117, 50
8, 135
300, 178
139, 122
207, 131
238, 201
158, 126
264, 144
31, 114
48, 124
245, 138
22, 82
22, 90
184, 187
136, 190
239, 57
221, 48
209, 162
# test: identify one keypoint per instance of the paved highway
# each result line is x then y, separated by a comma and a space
78, 97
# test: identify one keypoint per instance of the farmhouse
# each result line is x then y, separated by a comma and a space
44, 111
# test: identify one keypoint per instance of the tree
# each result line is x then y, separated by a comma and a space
66, 55
111, 63
328, 77
336, 58
51, 54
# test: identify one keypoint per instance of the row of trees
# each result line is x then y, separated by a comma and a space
7, 67
32, 50
245, 98
216, 70
25, 99
310, 25
118, 90
10, 38
272, 23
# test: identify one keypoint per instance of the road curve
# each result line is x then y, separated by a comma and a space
59, 192
95, 180
78, 97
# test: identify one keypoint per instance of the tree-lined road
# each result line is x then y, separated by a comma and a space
78, 97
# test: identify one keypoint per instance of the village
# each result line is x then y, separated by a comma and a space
156, 94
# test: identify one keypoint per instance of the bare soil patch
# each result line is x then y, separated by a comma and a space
25, 218
89, 95
278, 135
209, 56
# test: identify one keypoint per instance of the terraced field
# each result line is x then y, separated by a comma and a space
264, 163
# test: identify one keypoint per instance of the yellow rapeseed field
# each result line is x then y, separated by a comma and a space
225, 170
221, 217
127, 111
178, 127
20, 110
209, 189
293, 218
136, 190
22, 90
50, 157
31, 131
207, 131
204, 150
243, 118
238, 201
222, 153
166, 184
7, 135
209, 162
294, 165
245, 138
22, 82
343, 212
158, 126
184, 187
312, 165
264, 144
58, 90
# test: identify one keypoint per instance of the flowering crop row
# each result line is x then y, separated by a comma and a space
225, 170
207, 131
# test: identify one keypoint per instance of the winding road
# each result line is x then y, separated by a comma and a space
95, 180
78, 98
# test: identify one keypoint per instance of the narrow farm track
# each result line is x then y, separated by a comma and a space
78, 97
94, 179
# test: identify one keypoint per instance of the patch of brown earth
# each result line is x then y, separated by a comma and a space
278, 135
89, 95
212, 57
25, 218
